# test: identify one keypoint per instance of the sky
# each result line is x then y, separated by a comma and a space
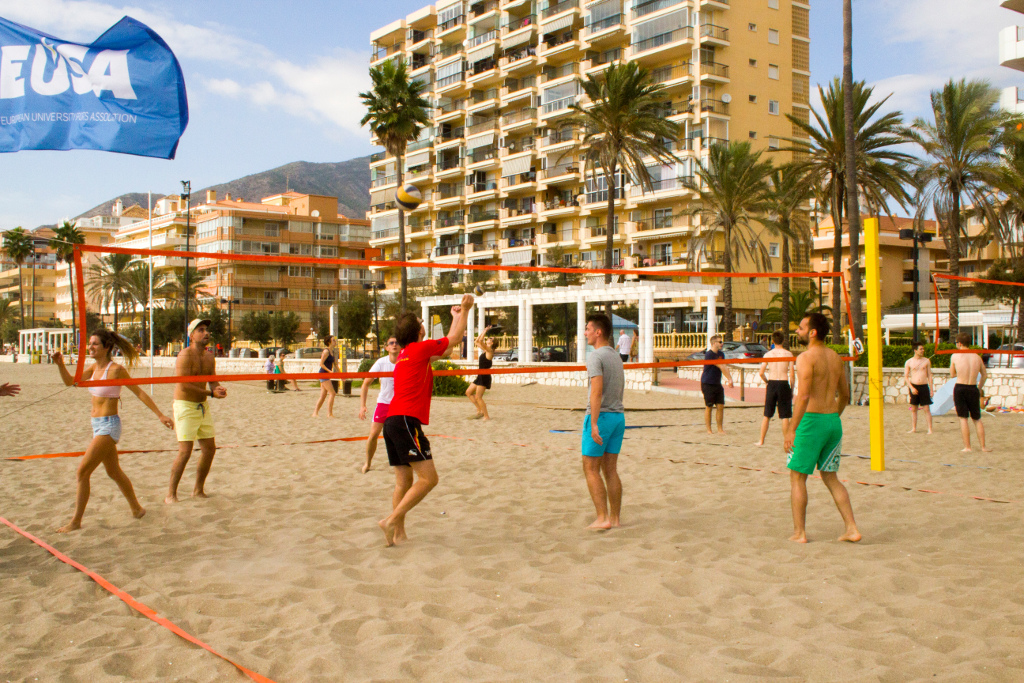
272, 82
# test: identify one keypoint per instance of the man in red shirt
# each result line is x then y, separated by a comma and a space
407, 446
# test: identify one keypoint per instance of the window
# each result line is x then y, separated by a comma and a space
773, 72
300, 271
753, 62
662, 218
773, 36
773, 250
751, 26
752, 135
752, 280
773, 107
301, 250
773, 285
773, 143
752, 99
773, 4
824, 257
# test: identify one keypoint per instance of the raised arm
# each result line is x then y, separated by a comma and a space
460, 317
479, 343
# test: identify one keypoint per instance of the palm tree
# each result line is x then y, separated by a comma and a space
732, 194
109, 282
7, 313
173, 285
18, 246
850, 165
962, 144
787, 194
800, 304
396, 111
65, 237
623, 124
882, 170
137, 280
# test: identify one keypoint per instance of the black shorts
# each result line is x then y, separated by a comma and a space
923, 397
405, 441
483, 381
967, 401
714, 394
778, 394
624, 357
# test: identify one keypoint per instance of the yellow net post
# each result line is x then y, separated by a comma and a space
874, 343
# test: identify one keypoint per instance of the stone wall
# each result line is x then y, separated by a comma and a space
1004, 386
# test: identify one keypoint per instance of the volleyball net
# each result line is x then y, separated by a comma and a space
260, 303
989, 312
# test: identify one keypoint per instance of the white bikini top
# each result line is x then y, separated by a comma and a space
105, 392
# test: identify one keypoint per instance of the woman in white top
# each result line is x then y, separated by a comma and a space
106, 423
387, 392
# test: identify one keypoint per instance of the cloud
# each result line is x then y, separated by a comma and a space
324, 91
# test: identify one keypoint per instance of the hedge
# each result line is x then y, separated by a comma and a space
896, 356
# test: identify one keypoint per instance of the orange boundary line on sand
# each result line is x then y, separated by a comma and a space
142, 609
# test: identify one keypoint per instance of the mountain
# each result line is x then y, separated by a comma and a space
349, 181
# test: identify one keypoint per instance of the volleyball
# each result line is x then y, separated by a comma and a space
478, 290
408, 197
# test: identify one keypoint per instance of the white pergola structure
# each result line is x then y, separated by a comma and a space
645, 293
44, 339
979, 321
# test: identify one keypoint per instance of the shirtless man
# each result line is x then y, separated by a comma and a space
779, 383
967, 368
192, 418
917, 373
815, 434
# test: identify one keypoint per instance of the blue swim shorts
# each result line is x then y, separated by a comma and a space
107, 426
611, 427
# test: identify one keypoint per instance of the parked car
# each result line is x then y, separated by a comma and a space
734, 350
512, 355
265, 353
242, 353
553, 354
309, 352
1005, 360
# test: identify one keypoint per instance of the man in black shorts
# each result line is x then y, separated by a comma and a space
711, 384
969, 372
917, 373
779, 378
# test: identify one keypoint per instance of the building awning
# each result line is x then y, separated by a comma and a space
379, 196
558, 24
417, 159
479, 53
517, 258
518, 39
516, 166
480, 140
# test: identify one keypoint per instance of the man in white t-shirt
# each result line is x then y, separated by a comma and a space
624, 345
387, 392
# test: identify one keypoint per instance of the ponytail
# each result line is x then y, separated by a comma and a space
109, 340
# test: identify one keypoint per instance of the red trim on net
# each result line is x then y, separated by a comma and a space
142, 609
961, 278
82, 332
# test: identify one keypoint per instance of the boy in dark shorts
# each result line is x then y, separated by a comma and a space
917, 373
779, 378
711, 384
969, 372
407, 446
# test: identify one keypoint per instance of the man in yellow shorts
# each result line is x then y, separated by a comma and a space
814, 437
192, 418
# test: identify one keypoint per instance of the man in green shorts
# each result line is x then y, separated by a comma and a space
815, 434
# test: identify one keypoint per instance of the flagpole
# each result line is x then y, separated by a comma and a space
150, 203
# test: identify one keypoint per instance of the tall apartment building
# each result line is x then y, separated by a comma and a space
37, 274
289, 224
1011, 55
501, 172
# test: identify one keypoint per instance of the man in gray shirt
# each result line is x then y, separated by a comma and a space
604, 424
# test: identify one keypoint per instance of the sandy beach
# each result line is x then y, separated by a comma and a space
283, 568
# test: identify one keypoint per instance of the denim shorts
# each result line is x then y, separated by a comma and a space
107, 426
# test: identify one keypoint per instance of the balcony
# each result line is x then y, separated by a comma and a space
523, 117
604, 29
449, 250
477, 188
451, 135
710, 33
481, 39
482, 100
384, 51
475, 218
563, 6
451, 25
1011, 47
478, 250
561, 43
384, 180
714, 107
601, 196
662, 186
390, 233
522, 59
714, 71
445, 51
514, 25
673, 74
519, 181
379, 156
479, 9
561, 173
562, 104
518, 89
641, 9
451, 81
663, 40
449, 167
555, 73
415, 36
481, 155
560, 138
482, 127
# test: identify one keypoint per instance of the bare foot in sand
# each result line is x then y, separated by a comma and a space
140, 513
966, 450
600, 525
171, 499
914, 431
721, 431
614, 523
929, 431
475, 417
365, 468
850, 536
710, 432
70, 526
986, 450
388, 527
759, 443
400, 536
799, 537
314, 415
487, 419
199, 494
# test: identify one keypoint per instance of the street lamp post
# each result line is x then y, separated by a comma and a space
229, 302
186, 195
918, 238
376, 325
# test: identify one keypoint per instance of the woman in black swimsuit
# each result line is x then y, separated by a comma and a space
327, 392
482, 383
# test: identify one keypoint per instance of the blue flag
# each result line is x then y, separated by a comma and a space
122, 93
